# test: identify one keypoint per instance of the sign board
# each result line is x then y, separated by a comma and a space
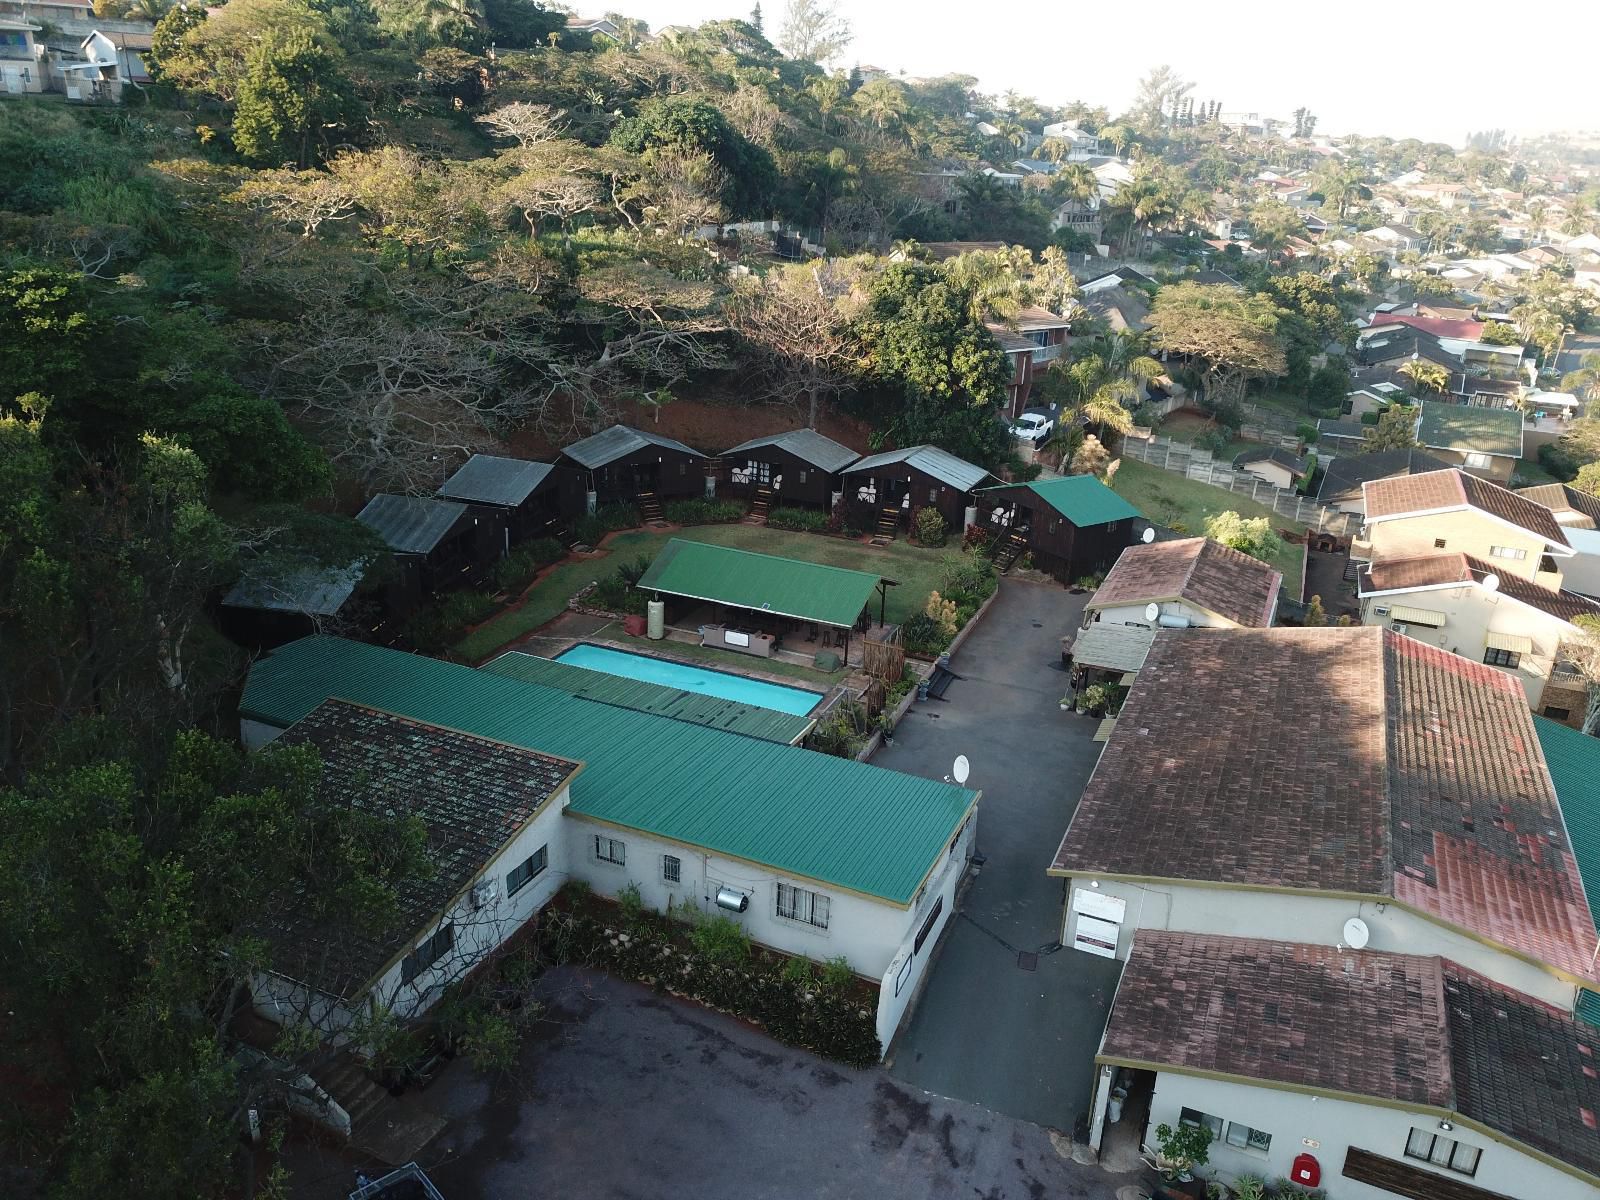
1095, 936
735, 639
1098, 904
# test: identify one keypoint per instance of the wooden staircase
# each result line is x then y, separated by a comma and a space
357, 1093
650, 508
888, 525
561, 531
1013, 548
761, 505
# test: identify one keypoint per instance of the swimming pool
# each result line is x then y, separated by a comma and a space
708, 682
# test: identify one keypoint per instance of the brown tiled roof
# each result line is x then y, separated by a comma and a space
472, 793
1367, 1023
1430, 788
1454, 489
1205, 573
1342, 481
1560, 498
1444, 570
1401, 1028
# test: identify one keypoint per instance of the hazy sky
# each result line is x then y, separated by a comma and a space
1420, 68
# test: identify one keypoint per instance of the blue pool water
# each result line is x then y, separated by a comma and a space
794, 701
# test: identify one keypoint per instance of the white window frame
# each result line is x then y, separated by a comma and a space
1245, 1137
424, 955
1479, 460
530, 868
671, 868
1423, 1145
802, 905
610, 850
1196, 1119
1511, 553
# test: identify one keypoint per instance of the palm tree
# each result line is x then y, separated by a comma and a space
1585, 381
1425, 376
881, 101
1118, 135
1076, 181
994, 282
1537, 211
1055, 149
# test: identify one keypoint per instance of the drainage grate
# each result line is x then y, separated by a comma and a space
1027, 960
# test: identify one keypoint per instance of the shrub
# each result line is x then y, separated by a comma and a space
517, 569
491, 1042
1149, 414
942, 613
1559, 461
1030, 472
929, 524
1249, 535
631, 903
632, 572
1250, 1187
1214, 440
977, 540
608, 518
1187, 1146
968, 581
1370, 418
442, 623
839, 521
1307, 433
800, 520
798, 971
615, 592
721, 940
920, 635
837, 975
1102, 699
704, 512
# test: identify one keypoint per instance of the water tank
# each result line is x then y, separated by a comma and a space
834, 500
655, 614
970, 517
1170, 622
591, 501
732, 900
711, 487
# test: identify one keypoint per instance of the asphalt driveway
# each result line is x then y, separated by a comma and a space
623, 1093
1014, 1034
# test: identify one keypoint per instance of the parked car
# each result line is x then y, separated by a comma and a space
1033, 427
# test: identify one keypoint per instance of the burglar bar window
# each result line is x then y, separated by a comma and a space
671, 868
801, 904
430, 952
610, 850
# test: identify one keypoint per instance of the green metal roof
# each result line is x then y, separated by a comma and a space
642, 696
796, 811
1574, 762
785, 587
1081, 499
1468, 428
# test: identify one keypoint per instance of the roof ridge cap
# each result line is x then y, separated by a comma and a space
1436, 975
1385, 671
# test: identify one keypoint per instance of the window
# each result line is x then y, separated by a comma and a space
523, 873
1442, 1152
430, 952
801, 476
1557, 714
1514, 553
683, 468
933, 495
610, 850
803, 905
1246, 1138
928, 924
1193, 1116
671, 868
1438, 543
1477, 460
1501, 658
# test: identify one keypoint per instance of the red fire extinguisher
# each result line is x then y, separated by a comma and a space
1306, 1170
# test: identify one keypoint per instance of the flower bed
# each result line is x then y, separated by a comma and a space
819, 1007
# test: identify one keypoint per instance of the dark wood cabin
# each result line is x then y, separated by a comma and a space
622, 465
533, 499
799, 468
266, 610
436, 544
1073, 526
883, 492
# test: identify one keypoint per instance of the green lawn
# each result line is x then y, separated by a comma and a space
1530, 473
1172, 500
1185, 427
916, 571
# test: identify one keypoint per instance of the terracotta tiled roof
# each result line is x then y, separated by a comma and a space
1438, 491
1399, 1028
1366, 1023
1430, 788
1445, 570
1205, 573
1343, 479
473, 794
1558, 603
1561, 499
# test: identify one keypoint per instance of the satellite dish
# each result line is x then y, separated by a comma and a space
1149, 534
1356, 933
1152, 611
961, 769
1491, 582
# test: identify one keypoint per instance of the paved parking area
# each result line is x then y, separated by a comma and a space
624, 1093
1021, 1042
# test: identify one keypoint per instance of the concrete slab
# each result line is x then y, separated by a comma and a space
1021, 1042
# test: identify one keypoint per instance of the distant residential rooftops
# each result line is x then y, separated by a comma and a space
1277, 455
1341, 483
1422, 781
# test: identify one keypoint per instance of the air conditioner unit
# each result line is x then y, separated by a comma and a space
1400, 627
1381, 609
484, 894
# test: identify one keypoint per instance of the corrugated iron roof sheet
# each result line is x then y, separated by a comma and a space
1083, 500
930, 460
1574, 762
785, 587
806, 814
411, 524
1468, 428
641, 696
490, 479
618, 442
314, 591
807, 445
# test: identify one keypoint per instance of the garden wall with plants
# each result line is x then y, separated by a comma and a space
822, 1007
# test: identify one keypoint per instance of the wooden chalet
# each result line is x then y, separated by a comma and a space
800, 467
623, 465
883, 492
1073, 526
436, 545
533, 499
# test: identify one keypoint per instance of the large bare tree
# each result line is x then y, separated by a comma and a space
797, 321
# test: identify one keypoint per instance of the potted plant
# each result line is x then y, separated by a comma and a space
1184, 1147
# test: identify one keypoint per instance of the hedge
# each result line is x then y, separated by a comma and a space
518, 568
799, 520
608, 518
704, 512
795, 1007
